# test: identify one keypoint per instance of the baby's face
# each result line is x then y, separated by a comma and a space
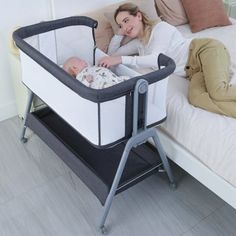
77, 66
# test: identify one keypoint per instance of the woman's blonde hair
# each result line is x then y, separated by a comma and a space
133, 10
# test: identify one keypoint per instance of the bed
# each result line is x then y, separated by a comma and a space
201, 142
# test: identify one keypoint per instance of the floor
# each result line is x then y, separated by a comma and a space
40, 196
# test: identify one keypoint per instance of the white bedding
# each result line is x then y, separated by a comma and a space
210, 137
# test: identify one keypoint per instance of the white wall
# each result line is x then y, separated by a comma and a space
14, 13
72, 7
24, 12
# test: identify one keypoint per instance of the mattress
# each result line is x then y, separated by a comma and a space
209, 137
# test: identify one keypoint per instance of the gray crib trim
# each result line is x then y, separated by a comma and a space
95, 95
69, 157
99, 124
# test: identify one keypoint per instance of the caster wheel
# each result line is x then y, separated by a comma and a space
24, 140
103, 230
161, 169
173, 186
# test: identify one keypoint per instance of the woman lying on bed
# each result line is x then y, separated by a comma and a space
205, 62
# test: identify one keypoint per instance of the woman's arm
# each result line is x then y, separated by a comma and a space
164, 39
116, 51
131, 48
114, 44
140, 61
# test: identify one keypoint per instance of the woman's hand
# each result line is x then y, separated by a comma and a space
109, 61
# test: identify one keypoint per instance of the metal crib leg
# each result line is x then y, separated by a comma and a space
115, 183
27, 110
164, 159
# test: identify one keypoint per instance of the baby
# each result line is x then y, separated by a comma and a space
92, 76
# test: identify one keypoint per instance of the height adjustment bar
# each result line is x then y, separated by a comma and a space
140, 106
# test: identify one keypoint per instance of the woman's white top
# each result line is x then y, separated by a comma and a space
164, 38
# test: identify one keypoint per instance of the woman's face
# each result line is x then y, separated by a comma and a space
130, 25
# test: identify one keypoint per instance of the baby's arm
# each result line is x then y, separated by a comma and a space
89, 78
86, 79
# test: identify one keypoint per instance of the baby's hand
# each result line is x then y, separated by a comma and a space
89, 78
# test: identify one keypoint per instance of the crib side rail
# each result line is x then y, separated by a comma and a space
166, 65
45, 26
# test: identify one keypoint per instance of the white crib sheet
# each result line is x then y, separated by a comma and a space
208, 136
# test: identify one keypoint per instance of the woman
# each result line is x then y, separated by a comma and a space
206, 62
150, 39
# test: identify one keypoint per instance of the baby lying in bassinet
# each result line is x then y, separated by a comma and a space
92, 76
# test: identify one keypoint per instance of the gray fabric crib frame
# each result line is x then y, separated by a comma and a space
60, 123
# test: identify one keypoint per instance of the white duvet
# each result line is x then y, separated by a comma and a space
208, 136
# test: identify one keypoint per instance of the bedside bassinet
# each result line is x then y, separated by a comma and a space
100, 134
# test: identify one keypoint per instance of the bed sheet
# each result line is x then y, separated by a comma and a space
209, 137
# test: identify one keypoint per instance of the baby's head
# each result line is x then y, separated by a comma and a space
74, 65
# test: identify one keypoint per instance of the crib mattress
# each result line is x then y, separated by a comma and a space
209, 137
95, 167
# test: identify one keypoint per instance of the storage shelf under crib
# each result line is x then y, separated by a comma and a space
95, 167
